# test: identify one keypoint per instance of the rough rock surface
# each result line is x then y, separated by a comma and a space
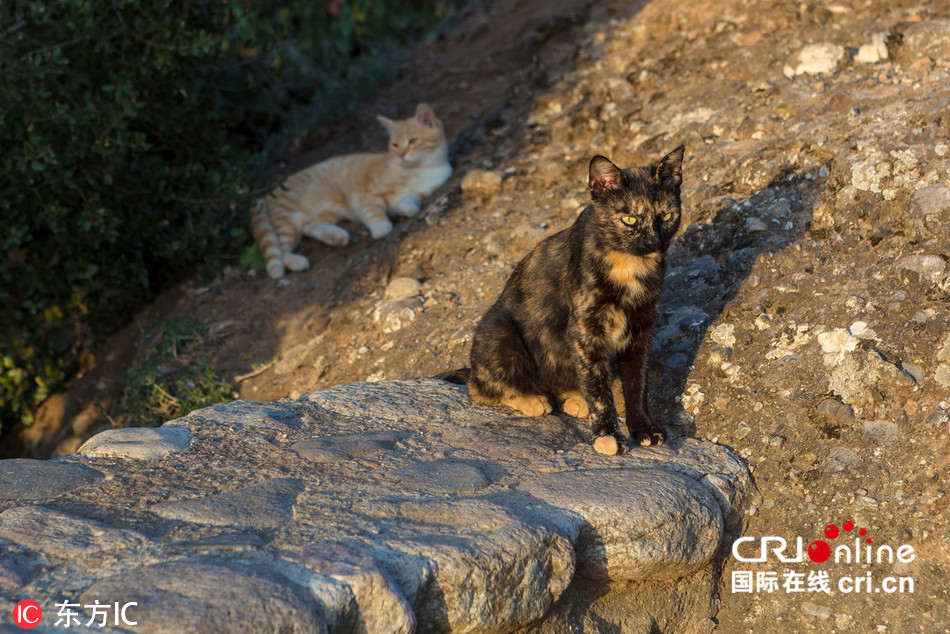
382, 507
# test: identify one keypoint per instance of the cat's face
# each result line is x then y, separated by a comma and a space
414, 139
638, 209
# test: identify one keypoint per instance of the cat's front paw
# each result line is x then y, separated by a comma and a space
643, 431
649, 435
608, 445
409, 205
380, 229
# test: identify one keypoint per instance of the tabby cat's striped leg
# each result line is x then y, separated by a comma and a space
289, 235
328, 233
373, 215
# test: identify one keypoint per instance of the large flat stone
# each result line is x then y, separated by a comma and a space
195, 595
136, 443
23, 479
448, 476
468, 564
377, 602
414, 401
265, 505
639, 524
347, 446
57, 535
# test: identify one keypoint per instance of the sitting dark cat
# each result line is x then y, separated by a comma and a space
582, 303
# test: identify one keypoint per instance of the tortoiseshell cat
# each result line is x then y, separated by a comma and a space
362, 187
582, 304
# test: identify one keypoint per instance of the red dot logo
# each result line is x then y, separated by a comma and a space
27, 614
848, 526
819, 551
831, 531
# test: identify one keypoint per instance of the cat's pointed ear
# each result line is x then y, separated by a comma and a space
426, 116
388, 123
604, 175
668, 171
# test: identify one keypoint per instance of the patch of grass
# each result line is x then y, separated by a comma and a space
171, 378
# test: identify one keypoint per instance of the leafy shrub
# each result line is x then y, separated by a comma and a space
170, 378
132, 135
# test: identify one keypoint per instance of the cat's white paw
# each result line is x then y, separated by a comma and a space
296, 262
328, 233
380, 229
409, 205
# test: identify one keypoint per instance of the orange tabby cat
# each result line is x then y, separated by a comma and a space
360, 187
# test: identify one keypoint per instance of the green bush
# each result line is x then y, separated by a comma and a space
134, 133
170, 378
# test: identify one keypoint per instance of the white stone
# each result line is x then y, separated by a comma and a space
837, 341
874, 51
823, 57
137, 443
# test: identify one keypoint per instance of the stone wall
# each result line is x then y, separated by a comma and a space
378, 507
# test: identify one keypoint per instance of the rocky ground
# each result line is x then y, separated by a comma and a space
806, 321
391, 506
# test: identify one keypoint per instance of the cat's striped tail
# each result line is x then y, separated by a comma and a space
263, 232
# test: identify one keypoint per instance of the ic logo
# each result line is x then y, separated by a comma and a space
27, 614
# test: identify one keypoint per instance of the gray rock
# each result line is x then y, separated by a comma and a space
880, 429
395, 314
473, 565
400, 287
837, 411
643, 524
270, 416
378, 603
195, 595
840, 459
394, 542
920, 268
23, 479
524, 438
942, 375
929, 38
447, 476
265, 505
413, 401
11, 576
136, 443
886, 371
755, 225
914, 371
57, 536
348, 446
929, 212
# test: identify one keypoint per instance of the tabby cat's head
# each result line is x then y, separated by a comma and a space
417, 138
638, 209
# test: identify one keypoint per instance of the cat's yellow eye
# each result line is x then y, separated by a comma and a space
413, 141
629, 220
667, 216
